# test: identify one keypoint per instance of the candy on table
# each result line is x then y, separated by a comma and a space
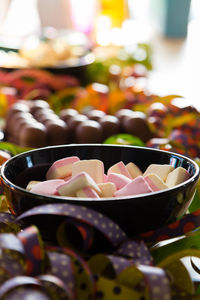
119, 180
93, 167
133, 170
76, 183
119, 168
48, 187
136, 186
161, 170
61, 168
31, 184
177, 176
86, 179
107, 189
155, 182
87, 192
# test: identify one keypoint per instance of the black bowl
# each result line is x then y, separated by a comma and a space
134, 214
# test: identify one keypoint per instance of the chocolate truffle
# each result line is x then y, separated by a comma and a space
95, 114
45, 114
137, 125
110, 125
37, 105
16, 108
33, 136
57, 132
67, 113
89, 132
11, 123
122, 113
73, 122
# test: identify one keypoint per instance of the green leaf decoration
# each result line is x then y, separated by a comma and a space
124, 139
13, 149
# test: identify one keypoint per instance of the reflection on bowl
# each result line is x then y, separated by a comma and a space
134, 214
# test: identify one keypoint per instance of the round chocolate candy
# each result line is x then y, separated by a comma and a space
25, 121
37, 105
89, 131
12, 122
123, 113
76, 120
137, 125
16, 108
157, 109
33, 136
43, 114
66, 114
95, 114
57, 132
110, 125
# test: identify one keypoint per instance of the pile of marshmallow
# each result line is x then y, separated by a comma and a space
72, 177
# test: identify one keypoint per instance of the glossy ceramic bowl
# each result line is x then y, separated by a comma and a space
134, 214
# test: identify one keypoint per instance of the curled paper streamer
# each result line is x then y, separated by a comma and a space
121, 268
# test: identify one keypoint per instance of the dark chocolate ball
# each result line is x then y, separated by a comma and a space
45, 114
76, 120
95, 114
33, 136
57, 132
37, 105
110, 125
12, 122
16, 108
67, 113
89, 132
20, 123
123, 113
137, 125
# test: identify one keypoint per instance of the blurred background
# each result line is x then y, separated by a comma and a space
170, 27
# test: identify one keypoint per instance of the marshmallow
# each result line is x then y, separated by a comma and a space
93, 167
155, 182
76, 183
133, 170
119, 168
31, 184
107, 189
87, 192
161, 170
136, 186
177, 176
61, 168
119, 180
48, 187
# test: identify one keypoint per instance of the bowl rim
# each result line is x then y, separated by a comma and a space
7, 182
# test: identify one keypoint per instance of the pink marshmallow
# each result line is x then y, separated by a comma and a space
105, 178
107, 189
61, 168
136, 186
87, 192
155, 182
119, 168
31, 184
81, 180
48, 187
119, 180
93, 167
